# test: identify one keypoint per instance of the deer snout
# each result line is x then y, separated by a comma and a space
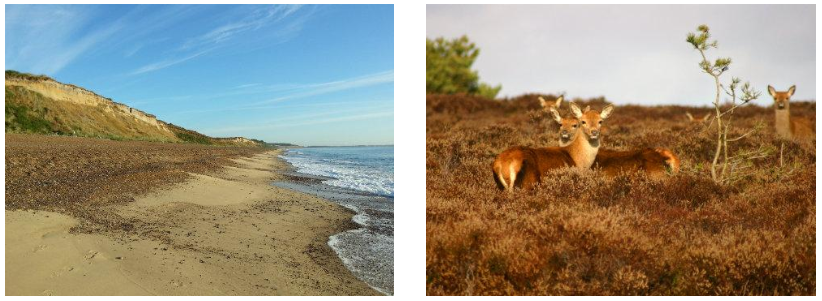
594, 133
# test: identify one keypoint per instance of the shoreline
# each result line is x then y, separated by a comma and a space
366, 250
225, 232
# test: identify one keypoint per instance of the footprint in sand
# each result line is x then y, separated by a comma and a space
40, 248
91, 254
61, 272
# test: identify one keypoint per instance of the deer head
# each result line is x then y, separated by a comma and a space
781, 99
547, 105
590, 121
697, 120
568, 127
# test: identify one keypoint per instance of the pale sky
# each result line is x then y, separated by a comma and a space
634, 53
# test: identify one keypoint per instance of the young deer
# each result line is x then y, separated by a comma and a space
524, 166
785, 127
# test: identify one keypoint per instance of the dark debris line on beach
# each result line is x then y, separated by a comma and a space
81, 176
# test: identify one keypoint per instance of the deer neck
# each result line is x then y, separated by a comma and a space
583, 151
783, 123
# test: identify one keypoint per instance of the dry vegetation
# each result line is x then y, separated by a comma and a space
28, 111
581, 233
39, 104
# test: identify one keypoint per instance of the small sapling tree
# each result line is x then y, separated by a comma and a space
720, 172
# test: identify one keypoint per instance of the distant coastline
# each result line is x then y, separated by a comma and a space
364, 145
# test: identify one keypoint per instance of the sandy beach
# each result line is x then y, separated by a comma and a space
214, 230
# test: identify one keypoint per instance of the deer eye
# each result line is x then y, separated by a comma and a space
575, 126
600, 122
583, 122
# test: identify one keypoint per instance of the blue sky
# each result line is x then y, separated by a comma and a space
311, 75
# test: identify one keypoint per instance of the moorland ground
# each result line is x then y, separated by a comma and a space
581, 233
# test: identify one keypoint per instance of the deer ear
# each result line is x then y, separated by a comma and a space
555, 114
791, 90
771, 91
575, 109
559, 101
690, 117
587, 108
606, 111
707, 116
543, 103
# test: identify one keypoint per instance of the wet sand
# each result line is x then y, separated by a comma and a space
368, 250
220, 231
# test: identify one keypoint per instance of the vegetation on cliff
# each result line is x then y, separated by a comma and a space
37, 104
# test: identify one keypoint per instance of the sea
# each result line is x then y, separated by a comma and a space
360, 178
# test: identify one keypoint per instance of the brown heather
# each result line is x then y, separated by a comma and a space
583, 234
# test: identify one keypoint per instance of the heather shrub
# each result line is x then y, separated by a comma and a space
582, 233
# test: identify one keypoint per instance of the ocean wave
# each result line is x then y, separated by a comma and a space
361, 171
354, 248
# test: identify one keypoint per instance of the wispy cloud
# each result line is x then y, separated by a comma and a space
49, 38
222, 34
369, 103
167, 63
254, 21
309, 119
292, 91
366, 116
246, 86
334, 86
60, 60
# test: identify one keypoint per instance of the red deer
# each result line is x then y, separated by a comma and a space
655, 162
524, 167
697, 120
567, 126
785, 127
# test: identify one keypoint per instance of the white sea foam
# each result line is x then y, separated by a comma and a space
368, 169
354, 247
367, 251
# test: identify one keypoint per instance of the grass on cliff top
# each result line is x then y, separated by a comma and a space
30, 112
26, 76
25, 118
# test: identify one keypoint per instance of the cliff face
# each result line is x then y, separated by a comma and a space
72, 94
240, 141
39, 104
